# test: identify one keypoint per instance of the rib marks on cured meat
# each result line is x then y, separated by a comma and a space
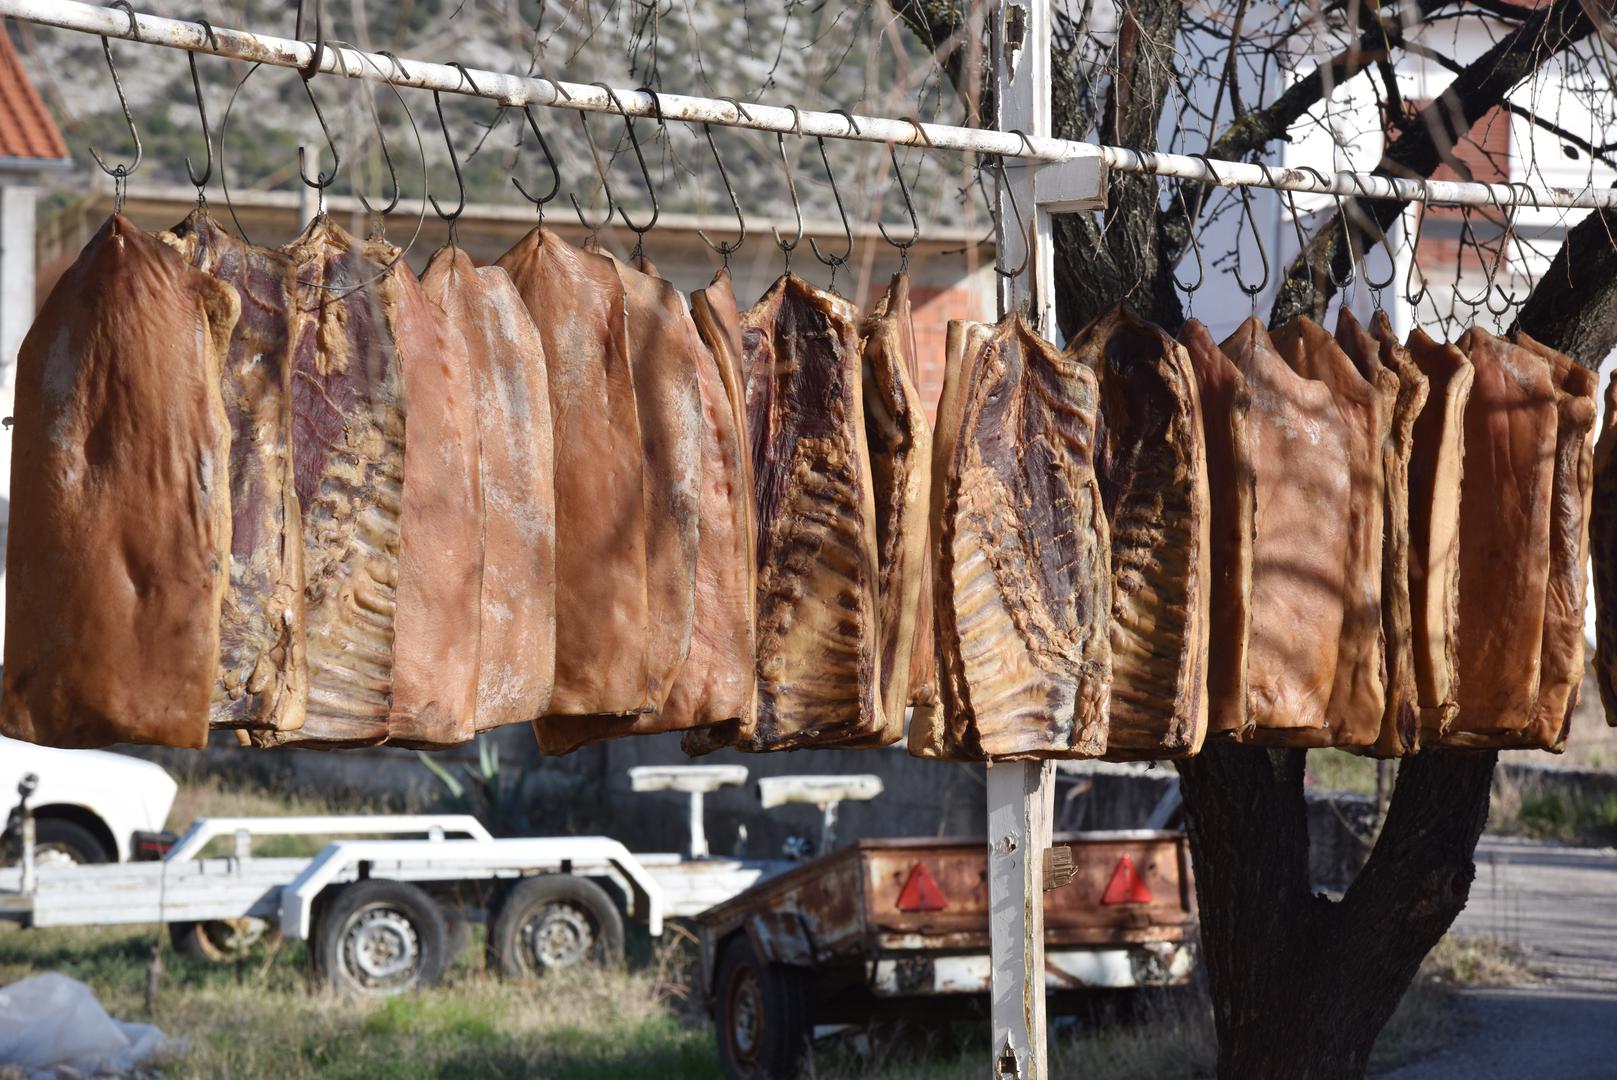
118, 555
1151, 463
900, 440
1358, 694
262, 677
517, 615
1505, 501
1571, 490
1023, 573
602, 628
817, 633
1300, 453
1381, 359
348, 464
1225, 403
1436, 466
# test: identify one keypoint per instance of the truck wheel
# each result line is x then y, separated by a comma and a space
58, 842
761, 1012
381, 937
216, 940
551, 922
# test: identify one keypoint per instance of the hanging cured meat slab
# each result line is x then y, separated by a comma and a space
1358, 694
1572, 487
1023, 574
1151, 463
718, 321
1382, 360
710, 683
1436, 465
602, 627
900, 440
517, 613
1603, 550
118, 556
818, 628
263, 675
1225, 403
1505, 511
1300, 452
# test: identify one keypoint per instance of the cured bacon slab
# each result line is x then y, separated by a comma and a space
516, 465
1358, 696
1151, 464
818, 645
1603, 549
900, 440
118, 556
1505, 501
1226, 402
718, 321
1385, 363
711, 682
1571, 489
602, 626
1436, 465
1023, 574
263, 676
1300, 452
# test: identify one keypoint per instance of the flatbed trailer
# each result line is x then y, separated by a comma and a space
891, 927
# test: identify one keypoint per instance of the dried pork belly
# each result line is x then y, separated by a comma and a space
516, 660
718, 321
1505, 500
900, 440
1225, 403
933, 732
1358, 695
817, 642
1380, 358
1436, 464
713, 681
1300, 448
263, 676
602, 628
1023, 572
1603, 550
1151, 463
1562, 657
118, 555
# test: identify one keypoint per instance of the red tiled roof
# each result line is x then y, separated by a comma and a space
26, 128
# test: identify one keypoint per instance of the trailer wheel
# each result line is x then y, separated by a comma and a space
551, 922
216, 940
381, 937
761, 1013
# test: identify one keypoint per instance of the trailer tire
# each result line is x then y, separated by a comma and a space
380, 937
217, 940
762, 1014
551, 922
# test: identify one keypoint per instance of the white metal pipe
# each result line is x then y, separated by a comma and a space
518, 90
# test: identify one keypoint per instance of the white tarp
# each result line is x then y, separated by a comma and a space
53, 1026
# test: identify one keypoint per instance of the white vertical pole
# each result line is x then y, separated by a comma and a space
1020, 795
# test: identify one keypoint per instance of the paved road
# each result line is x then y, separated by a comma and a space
1560, 905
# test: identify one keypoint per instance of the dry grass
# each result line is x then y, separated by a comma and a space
1464, 960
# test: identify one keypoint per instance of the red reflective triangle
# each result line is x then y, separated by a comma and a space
1125, 886
921, 892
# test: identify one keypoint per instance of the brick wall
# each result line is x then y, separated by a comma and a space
932, 308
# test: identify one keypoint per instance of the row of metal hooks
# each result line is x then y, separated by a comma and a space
324, 178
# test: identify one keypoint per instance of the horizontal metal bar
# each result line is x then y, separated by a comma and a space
516, 90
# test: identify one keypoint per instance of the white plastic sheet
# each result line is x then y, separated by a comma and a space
53, 1026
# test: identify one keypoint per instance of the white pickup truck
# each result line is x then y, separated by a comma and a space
89, 804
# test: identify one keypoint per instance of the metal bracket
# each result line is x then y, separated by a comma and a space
1058, 867
1068, 187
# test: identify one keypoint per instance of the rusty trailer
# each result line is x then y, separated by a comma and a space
891, 927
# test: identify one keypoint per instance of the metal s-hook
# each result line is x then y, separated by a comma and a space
999, 225
835, 262
1507, 300
201, 182
1195, 248
1468, 236
728, 247
1366, 221
322, 180
786, 249
550, 159
387, 158
594, 227
1257, 238
1414, 298
120, 172
450, 217
639, 231
909, 209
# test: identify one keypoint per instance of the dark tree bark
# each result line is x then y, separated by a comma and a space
1302, 985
